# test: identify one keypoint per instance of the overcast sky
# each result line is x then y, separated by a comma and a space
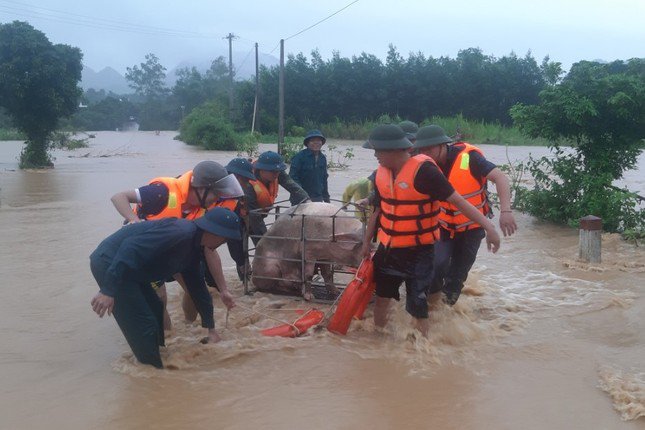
119, 33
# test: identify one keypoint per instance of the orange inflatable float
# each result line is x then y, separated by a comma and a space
300, 326
355, 298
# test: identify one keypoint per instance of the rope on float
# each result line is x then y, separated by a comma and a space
272, 318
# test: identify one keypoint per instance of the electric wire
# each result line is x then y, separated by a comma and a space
93, 22
315, 24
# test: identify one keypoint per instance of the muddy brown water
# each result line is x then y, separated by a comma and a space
540, 341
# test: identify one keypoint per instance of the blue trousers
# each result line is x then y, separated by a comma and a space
138, 311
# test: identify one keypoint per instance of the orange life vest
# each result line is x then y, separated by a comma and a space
265, 195
231, 204
408, 218
178, 189
471, 188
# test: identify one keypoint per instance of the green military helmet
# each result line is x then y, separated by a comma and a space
386, 137
431, 135
410, 128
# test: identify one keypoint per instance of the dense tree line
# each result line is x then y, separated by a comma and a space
363, 87
479, 86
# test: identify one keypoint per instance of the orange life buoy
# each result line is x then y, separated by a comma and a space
300, 326
355, 298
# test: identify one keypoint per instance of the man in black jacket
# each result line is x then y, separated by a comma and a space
126, 262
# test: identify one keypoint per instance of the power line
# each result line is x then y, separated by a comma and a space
245, 58
313, 25
32, 11
321, 21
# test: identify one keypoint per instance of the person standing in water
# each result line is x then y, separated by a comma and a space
309, 168
408, 190
128, 261
187, 196
467, 171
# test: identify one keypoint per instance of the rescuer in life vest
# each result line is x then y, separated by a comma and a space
467, 171
261, 193
187, 196
408, 191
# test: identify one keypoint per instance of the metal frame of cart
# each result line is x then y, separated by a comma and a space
277, 210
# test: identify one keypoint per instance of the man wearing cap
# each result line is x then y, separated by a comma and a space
467, 171
269, 170
187, 196
309, 168
408, 191
126, 262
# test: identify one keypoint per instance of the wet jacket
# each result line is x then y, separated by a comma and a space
178, 189
148, 251
310, 172
471, 187
408, 217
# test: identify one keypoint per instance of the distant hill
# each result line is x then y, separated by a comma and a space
109, 79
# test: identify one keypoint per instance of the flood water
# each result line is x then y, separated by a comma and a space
541, 340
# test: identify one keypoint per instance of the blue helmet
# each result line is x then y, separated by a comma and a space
220, 222
312, 134
271, 161
241, 166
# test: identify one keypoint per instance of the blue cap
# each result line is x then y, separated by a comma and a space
220, 222
241, 166
271, 161
313, 133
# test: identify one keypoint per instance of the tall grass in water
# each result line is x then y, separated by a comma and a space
11, 134
475, 132
479, 132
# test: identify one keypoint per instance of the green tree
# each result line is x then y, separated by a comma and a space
194, 88
148, 79
599, 109
38, 86
109, 113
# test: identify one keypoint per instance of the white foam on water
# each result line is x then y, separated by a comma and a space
626, 389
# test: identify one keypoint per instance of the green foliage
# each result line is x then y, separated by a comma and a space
291, 146
480, 132
359, 89
11, 134
635, 235
109, 113
66, 140
297, 131
248, 144
336, 158
194, 88
564, 194
600, 108
38, 86
208, 126
475, 132
148, 79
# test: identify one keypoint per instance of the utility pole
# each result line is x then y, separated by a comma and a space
281, 100
230, 38
257, 90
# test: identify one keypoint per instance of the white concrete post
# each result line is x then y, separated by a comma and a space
590, 238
